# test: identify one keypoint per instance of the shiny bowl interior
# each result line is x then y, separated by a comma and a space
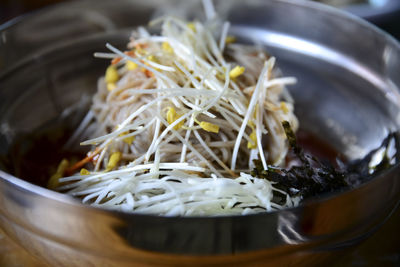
347, 93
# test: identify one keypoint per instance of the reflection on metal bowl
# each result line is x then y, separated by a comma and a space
347, 92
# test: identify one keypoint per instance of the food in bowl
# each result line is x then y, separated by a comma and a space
191, 123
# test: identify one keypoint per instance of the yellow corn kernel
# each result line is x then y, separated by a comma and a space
209, 127
111, 86
255, 111
54, 179
129, 140
220, 76
192, 26
112, 75
230, 39
172, 116
236, 72
251, 124
113, 161
84, 171
140, 51
167, 48
152, 58
253, 138
130, 65
284, 107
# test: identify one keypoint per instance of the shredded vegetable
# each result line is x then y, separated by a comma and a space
178, 120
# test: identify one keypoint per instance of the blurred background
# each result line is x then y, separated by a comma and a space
382, 249
12, 8
383, 13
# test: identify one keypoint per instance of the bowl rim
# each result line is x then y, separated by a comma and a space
66, 199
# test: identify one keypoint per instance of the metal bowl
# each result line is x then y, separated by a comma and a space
348, 93
376, 11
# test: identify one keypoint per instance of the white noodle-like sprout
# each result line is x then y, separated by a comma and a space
179, 121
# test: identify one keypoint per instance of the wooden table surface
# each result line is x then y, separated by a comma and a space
12, 255
381, 249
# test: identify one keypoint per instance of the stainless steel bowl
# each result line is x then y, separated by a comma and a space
348, 93
372, 10
375, 11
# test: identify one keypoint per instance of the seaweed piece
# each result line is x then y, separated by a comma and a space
313, 177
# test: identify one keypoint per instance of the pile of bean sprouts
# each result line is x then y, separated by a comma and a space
177, 121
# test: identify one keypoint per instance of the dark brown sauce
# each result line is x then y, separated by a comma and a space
318, 147
35, 157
